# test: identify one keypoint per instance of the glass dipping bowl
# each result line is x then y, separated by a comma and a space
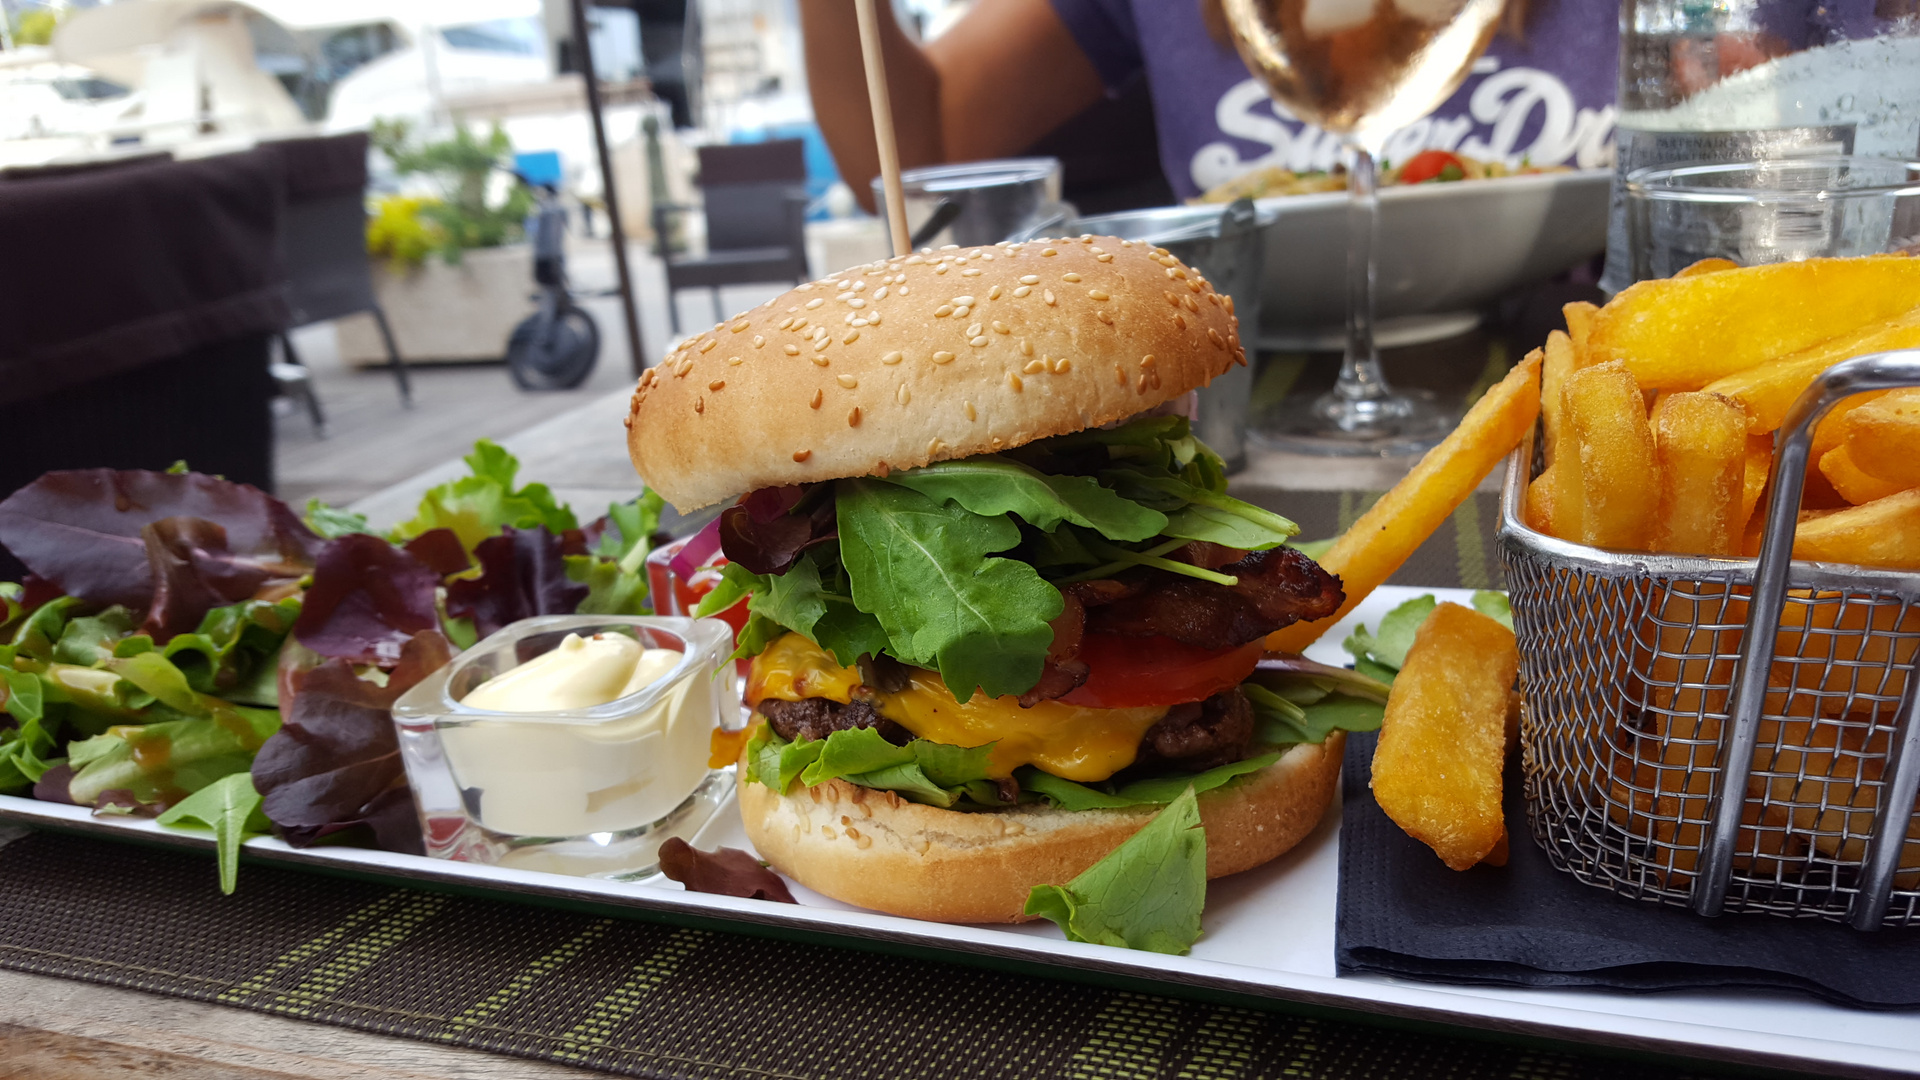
591, 791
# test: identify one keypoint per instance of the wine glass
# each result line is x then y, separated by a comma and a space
1361, 69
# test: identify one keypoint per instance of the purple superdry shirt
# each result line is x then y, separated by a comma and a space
1547, 99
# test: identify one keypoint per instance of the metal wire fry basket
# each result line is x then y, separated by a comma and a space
1725, 734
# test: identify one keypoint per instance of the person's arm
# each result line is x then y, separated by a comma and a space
1007, 73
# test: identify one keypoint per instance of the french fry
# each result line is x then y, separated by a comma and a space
1708, 266
1883, 438
1579, 316
1620, 488
1854, 484
1700, 445
1558, 361
1885, 533
1553, 499
1369, 552
1436, 771
1759, 471
1685, 333
1769, 389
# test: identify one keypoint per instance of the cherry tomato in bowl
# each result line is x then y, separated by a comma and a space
1433, 165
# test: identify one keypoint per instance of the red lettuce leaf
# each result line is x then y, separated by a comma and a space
523, 573
335, 762
441, 550
367, 600
723, 872
763, 534
192, 573
52, 785
81, 529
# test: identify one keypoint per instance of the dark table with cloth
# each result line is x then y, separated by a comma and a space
653, 1000
136, 304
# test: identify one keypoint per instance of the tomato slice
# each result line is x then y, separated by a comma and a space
1430, 165
1133, 672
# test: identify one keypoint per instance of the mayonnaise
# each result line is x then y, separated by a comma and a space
579, 673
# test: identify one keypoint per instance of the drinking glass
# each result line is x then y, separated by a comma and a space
1770, 211
1361, 69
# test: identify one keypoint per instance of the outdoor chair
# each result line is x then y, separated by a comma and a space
324, 247
755, 199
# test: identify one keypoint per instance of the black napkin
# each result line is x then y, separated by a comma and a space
1403, 913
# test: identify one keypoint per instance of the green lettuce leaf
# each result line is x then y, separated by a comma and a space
615, 573
26, 753
231, 808
1494, 605
89, 639
1146, 894
1284, 722
478, 506
39, 632
332, 523
1381, 655
923, 771
924, 570
991, 486
160, 761
1153, 791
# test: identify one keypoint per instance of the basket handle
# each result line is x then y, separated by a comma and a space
1876, 371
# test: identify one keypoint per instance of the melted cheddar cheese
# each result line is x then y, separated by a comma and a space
1066, 740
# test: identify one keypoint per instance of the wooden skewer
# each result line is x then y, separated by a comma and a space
883, 125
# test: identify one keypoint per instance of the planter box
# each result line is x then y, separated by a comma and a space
445, 314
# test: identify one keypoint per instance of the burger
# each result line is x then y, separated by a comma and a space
1001, 608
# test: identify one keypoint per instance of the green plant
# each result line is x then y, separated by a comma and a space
35, 27
462, 217
400, 233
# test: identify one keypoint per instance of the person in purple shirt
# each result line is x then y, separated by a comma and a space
1011, 71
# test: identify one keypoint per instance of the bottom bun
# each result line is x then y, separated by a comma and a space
877, 850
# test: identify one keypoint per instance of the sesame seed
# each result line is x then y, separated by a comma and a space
1178, 271
974, 330
1035, 367
1119, 374
819, 333
700, 405
1146, 361
1001, 328
979, 342
915, 260
873, 318
733, 361
1023, 291
961, 311
739, 326
799, 324
986, 256
759, 341
818, 361
1170, 271
904, 290
717, 384
905, 395
1048, 253
815, 302
893, 357
1214, 299
1187, 302
1179, 320
943, 311
853, 417
792, 310
858, 285
707, 345
963, 301
1193, 286
802, 455
1071, 279
1214, 337
848, 381
1026, 347
993, 293
941, 269
793, 350
821, 345
971, 415
943, 357
1097, 294
1103, 317
818, 396
1103, 258
1141, 388
880, 293
1030, 279
1048, 297
858, 323
1062, 366
852, 336
1014, 381
1228, 302
856, 302
1126, 243
970, 272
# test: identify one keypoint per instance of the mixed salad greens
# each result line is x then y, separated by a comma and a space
193, 649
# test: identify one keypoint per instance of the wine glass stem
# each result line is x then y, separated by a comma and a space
1360, 376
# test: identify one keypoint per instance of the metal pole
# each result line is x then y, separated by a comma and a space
583, 56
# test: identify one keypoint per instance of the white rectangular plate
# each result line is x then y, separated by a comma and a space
1269, 934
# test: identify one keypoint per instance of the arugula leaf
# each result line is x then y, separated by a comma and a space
923, 570
231, 808
799, 601
1282, 722
1146, 894
991, 486
1209, 512
753, 638
1153, 791
1216, 526
331, 522
1494, 605
1381, 655
736, 584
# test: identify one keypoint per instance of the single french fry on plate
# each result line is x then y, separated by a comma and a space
1883, 437
1769, 389
1437, 768
1700, 445
1882, 533
1685, 333
1374, 546
1620, 483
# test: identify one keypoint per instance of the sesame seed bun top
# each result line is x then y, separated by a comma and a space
945, 354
